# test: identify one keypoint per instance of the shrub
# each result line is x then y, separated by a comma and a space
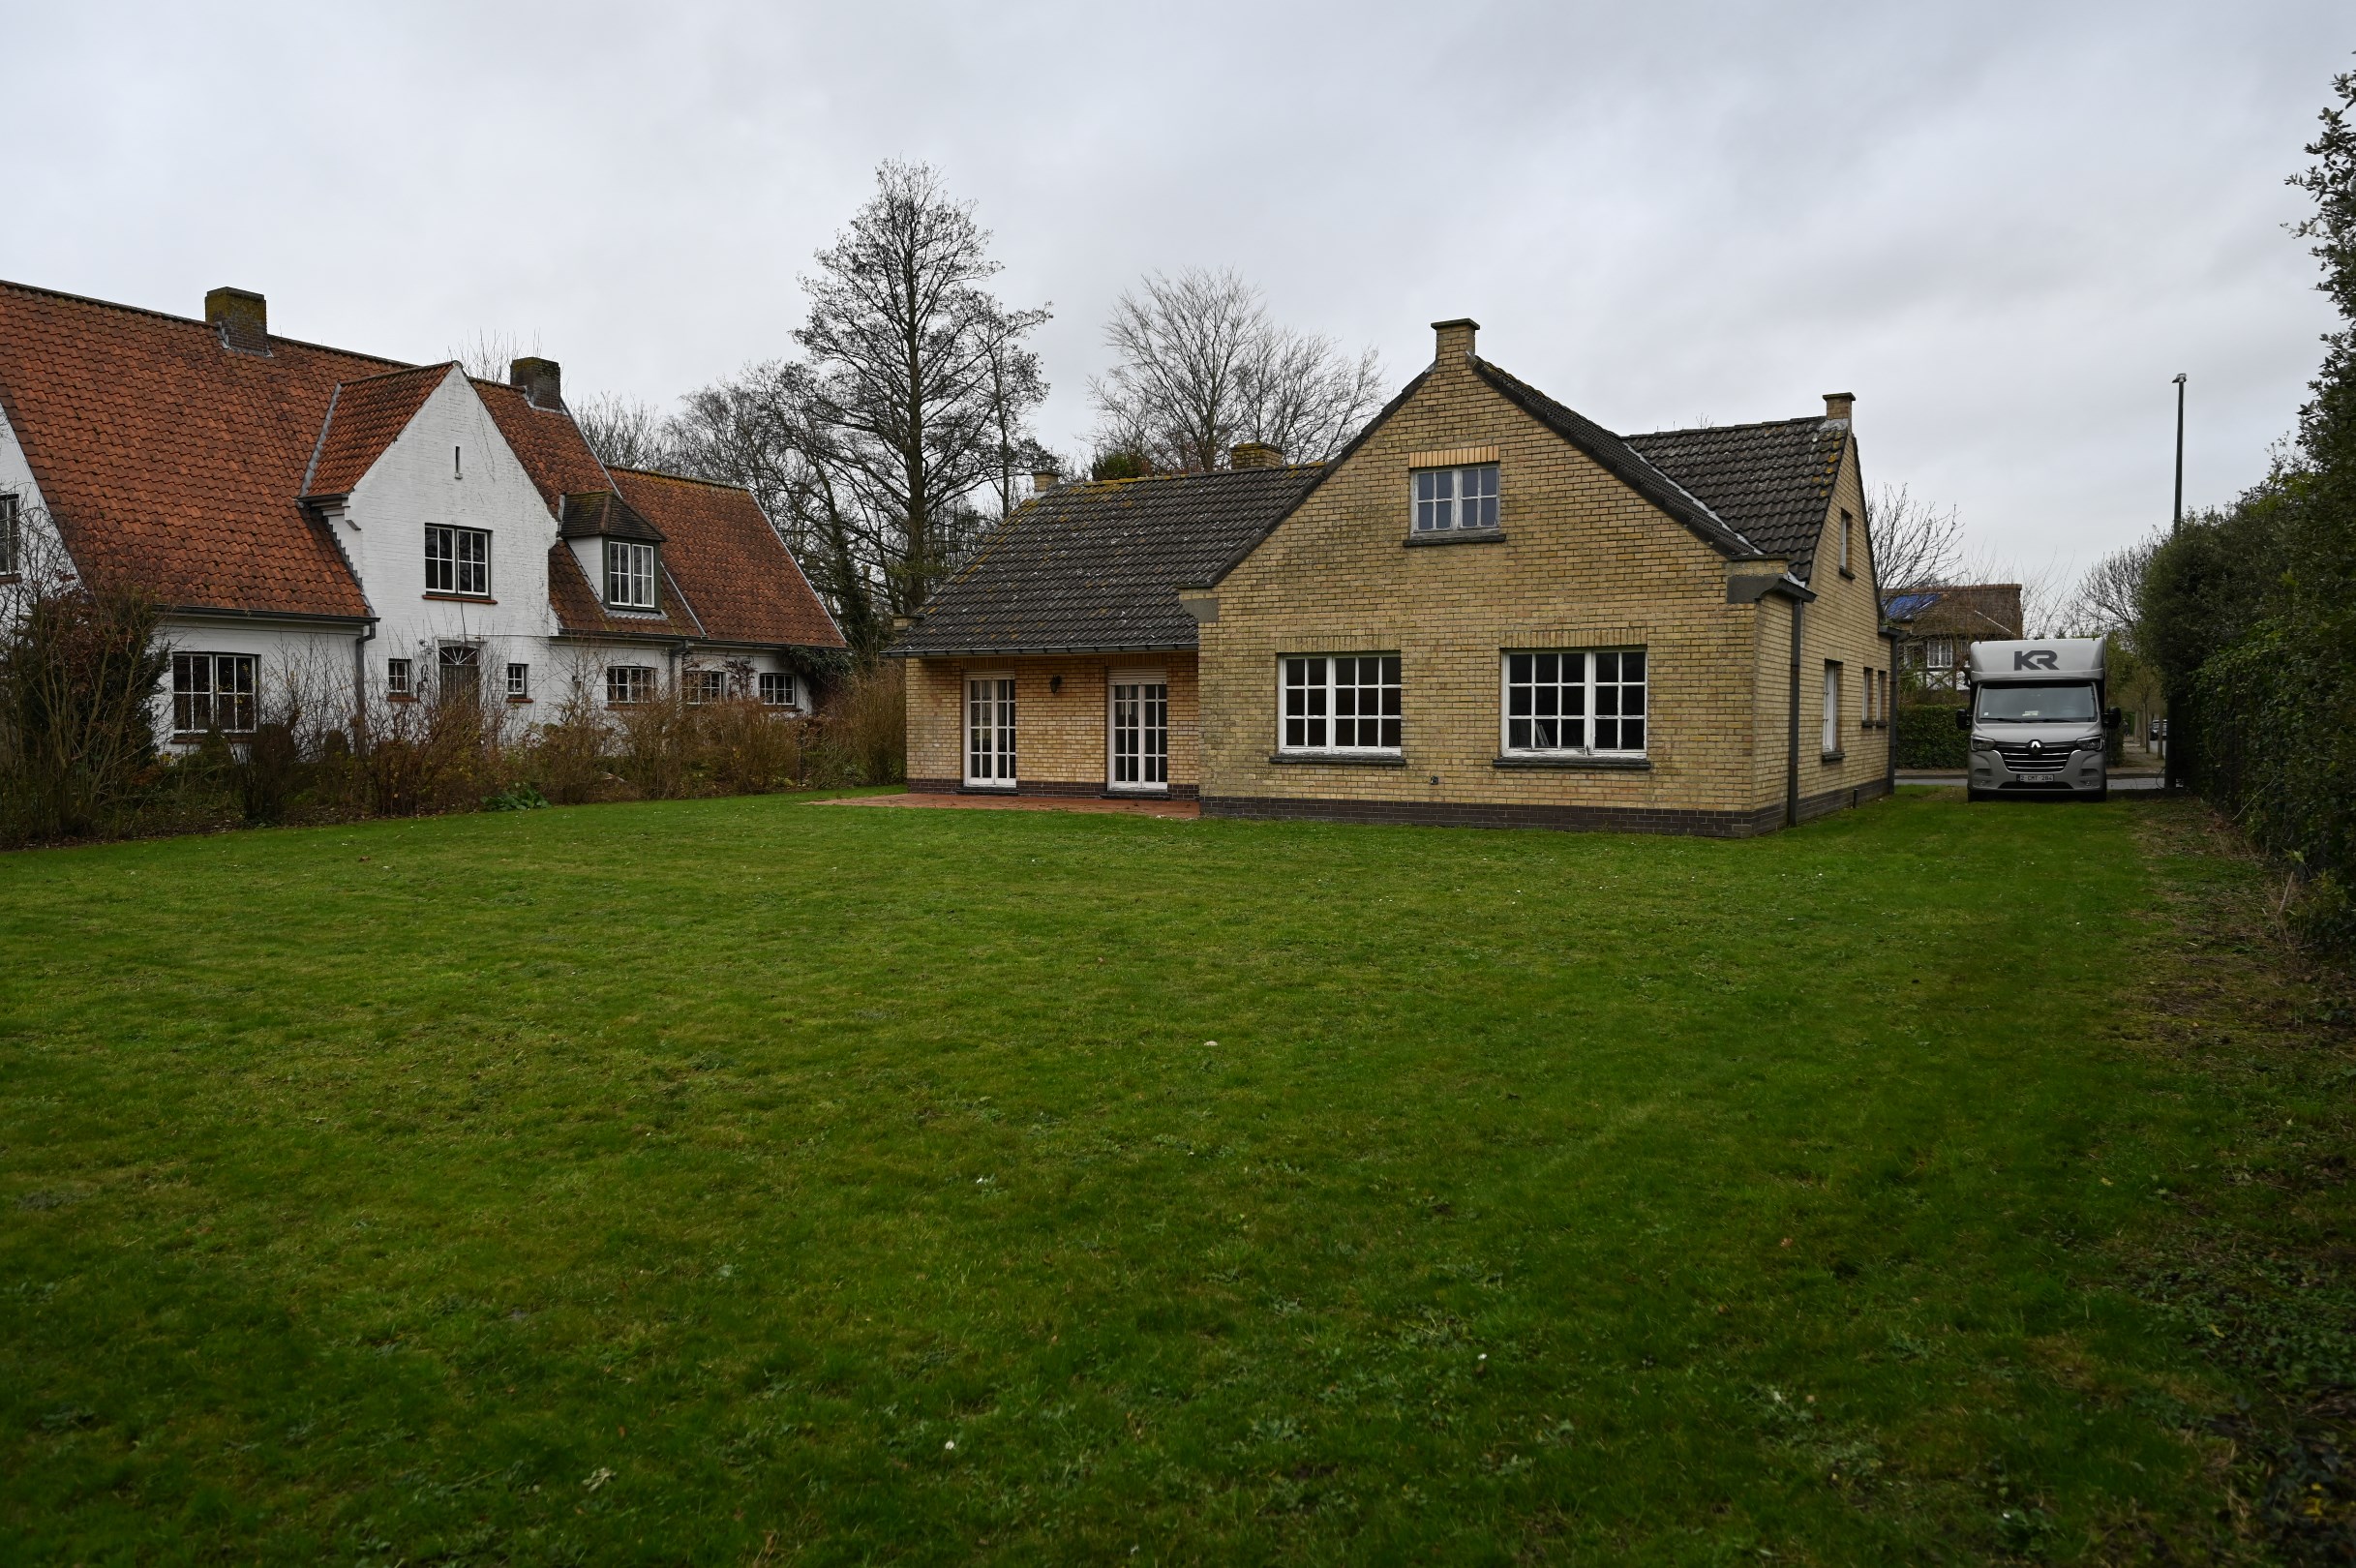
867, 725
79, 673
1927, 736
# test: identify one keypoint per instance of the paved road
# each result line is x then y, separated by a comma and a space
2150, 782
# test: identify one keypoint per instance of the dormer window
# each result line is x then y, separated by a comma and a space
1451, 499
629, 575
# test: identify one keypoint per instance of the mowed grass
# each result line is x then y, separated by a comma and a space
761, 1180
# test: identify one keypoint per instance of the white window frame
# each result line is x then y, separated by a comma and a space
629, 575
1848, 530
781, 683
1437, 499
397, 680
1319, 721
227, 681
1587, 685
630, 685
1832, 706
458, 560
518, 682
990, 766
1150, 723
705, 684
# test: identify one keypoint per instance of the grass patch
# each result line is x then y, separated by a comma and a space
752, 1179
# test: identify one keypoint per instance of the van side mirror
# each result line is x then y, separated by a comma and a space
2111, 718
1963, 719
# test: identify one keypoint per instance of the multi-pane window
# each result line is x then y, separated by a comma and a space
1141, 739
518, 682
1448, 498
626, 685
212, 691
989, 731
776, 689
1579, 700
706, 685
629, 575
459, 672
1344, 704
397, 679
1832, 706
11, 540
457, 561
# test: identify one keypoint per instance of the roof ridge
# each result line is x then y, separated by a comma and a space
196, 322
1748, 424
399, 369
666, 473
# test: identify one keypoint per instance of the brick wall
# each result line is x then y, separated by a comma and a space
1060, 734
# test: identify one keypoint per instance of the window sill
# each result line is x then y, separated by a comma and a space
1832, 757
518, 702
1338, 759
197, 738
1008, 788
1578, 764
400, 697
1847, 573
1449, 536
460, 598
649, 612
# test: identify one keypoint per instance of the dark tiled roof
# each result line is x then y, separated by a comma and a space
364, 417
1098, 566
603, 514
1772, 482
170, 461
1626, 462
745, 585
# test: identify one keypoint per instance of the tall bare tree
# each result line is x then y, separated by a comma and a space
487, 355
1200, 367
2109, 597
625, 432
1915, 543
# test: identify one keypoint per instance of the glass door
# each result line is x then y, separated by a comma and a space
989, 732
1139, 747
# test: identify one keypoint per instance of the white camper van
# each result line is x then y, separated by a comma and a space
2037, 719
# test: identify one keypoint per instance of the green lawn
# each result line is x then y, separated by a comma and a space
756, 1180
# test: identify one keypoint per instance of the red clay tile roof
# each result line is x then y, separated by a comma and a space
547, 442
581, 609
744, 582
365, 417
170, 461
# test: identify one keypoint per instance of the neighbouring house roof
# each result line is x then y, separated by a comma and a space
170, 461
745, 585
1980, 610
1772, 482
1093, 567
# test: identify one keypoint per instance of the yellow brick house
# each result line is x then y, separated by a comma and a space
1487, 610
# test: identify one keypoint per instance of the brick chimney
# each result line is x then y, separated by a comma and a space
540, 381
242, 319
1453, 338
1043, 480
1255, 455
1838, 405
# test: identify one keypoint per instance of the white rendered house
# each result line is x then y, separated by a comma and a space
358, 529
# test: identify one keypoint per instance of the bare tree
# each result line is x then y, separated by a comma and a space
487, 355
1915, 543
1201, 367
624, 432
2108, 601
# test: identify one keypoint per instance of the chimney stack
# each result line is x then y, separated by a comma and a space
1838, 405
1453, 338
1043, 480
540, 381
242, 319
1255, 455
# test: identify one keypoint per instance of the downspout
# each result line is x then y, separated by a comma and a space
359, 685
1889, 716
1791, 756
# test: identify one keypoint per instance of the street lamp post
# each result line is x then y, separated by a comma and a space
2174, 778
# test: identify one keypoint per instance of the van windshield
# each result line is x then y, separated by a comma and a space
2038, 705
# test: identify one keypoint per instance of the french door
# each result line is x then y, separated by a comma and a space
1138, 749
989, 732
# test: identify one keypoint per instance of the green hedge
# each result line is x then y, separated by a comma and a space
1927, 738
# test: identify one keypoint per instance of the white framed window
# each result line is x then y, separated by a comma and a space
1832, 706
629, 684
1575, 701
1344, 703
398, 681
12, 536
518, 682
458, 560
777, 689
1137, 742
1447, 498
1940, 652
212, 691
629, 575
706, 685
989, 731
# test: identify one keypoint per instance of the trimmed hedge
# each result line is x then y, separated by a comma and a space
1927, 738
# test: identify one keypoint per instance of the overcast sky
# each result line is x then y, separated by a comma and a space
2003, 227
